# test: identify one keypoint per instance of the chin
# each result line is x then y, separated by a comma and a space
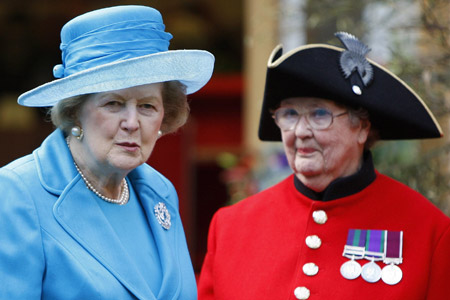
308, 169
128, 165
308, 174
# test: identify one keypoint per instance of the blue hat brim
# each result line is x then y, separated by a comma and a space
396, 111
193, 68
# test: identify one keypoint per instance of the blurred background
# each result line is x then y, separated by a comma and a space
217, 159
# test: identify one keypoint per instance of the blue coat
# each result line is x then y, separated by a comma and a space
56, 244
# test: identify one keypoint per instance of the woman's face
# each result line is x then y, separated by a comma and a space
121, 128
320, 156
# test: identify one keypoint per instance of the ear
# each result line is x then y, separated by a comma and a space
364, 130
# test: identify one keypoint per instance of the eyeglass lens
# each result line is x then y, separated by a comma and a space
318, 118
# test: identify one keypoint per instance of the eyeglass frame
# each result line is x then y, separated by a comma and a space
307, 114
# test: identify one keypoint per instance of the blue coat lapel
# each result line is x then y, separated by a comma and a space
81, 217
166, 240
79, 214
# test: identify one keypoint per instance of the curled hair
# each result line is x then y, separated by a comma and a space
176, 107
361, 114
65, 114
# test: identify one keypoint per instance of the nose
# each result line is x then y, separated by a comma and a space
302, 129
130, 120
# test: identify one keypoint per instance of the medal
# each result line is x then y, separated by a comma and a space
371, 272
354, 249
375, 241
373, 245
392, 274
351, 269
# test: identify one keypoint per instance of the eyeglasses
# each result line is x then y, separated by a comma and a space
319, 118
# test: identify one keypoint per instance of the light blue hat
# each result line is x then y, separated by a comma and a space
115, 48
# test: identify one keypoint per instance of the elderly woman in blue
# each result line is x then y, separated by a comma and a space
83, 216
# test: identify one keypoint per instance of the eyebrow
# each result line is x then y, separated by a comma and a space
308, 106
119, 96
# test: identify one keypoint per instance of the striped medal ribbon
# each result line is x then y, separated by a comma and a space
392, 274
371, 272
353, 249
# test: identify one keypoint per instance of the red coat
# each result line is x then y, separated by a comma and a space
257, 249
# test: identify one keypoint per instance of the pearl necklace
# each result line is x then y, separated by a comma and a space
124, 196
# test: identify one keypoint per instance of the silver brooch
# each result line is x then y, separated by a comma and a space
162, 215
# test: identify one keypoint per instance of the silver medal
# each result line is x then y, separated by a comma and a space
351, 269
371, 272
391, 274
162, 215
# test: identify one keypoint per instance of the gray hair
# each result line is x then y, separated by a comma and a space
65, 114
361, 114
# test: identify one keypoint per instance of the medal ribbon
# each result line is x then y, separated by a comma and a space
394, 247
356, 241
375, 242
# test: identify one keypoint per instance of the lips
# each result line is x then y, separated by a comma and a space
129, 146
305, 150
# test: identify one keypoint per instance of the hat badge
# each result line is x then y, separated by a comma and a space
353, 62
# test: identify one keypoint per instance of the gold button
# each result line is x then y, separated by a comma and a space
313, 241
302, 292
310, 269
320, 216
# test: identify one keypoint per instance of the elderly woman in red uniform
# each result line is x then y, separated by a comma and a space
336, 228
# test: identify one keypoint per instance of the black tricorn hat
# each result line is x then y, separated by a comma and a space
345, 76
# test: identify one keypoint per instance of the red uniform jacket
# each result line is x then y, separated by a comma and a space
257, 248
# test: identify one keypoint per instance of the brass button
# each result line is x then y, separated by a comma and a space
320, 216
302, 292
310, 269
313, 241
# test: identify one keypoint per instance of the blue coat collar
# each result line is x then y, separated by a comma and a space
77, 212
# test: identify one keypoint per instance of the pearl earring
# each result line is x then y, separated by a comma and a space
77, 132
159, 133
